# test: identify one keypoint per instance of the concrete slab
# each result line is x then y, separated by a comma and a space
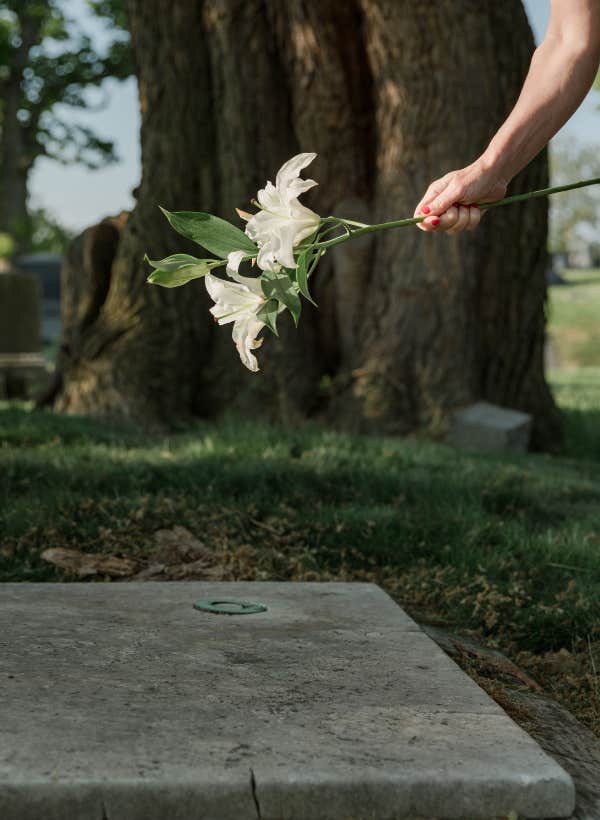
122, 702
484, 426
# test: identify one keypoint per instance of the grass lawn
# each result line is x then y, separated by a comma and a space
508, 547
574, 318
505, 547
577, 391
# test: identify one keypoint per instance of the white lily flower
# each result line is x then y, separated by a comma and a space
284, 222
234, 260
238, 302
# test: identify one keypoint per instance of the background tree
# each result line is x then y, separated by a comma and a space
45, 233
44, 61
391, 94
571, 215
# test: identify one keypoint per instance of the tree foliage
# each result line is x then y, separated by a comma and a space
46, 59
46, 233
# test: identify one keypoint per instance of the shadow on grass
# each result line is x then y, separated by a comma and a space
578, 394
582, 434
518, 531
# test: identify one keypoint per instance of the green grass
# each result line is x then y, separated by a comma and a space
518, 538
578, 394
506, 546
72, 482
574, 319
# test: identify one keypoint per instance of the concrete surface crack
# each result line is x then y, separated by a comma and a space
254, 793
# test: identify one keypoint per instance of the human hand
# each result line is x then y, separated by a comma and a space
450, 203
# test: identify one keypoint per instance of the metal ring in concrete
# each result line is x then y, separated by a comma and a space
245, 607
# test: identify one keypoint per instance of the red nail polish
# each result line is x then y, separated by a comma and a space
474, 205
435, 222
456, 204
425, 209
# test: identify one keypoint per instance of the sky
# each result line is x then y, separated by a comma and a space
78, 197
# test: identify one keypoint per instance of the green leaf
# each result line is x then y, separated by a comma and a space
268, 314
302, 276
214, 234
177, 260
279, 286
174, 279
174, 274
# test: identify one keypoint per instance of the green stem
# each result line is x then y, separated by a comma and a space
542, 192
341, 221
334, 228
400, 223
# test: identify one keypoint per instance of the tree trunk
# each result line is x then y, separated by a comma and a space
140, 356
15, 155
447, 320
14, 167
390, 94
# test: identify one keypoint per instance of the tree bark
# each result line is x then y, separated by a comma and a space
141, 355
449, 319
13, 183
390, 94
15, 157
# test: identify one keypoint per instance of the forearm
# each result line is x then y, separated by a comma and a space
562, 72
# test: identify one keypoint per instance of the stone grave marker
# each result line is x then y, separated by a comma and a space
485, 426
123, 701
20, 332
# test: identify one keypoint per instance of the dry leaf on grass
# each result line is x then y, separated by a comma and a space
150, 572
179, 545
195, 570
180, 555
87, 563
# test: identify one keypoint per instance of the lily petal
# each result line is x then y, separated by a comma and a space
233, 263
282, 223
269, 198
243, 214
299, 186
266, 258
234, 260
291, 169
263, 224
244, 336
232, 300
283, 244
237, 303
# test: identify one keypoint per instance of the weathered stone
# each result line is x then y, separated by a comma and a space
557, 731
20, 329
484, 426
122, 701
20, 313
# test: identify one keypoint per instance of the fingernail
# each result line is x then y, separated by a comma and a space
425, 209
435, 222
456, 204
474, 205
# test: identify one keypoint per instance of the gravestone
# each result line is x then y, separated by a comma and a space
46, 268
20, 328
484, 426
123, 701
